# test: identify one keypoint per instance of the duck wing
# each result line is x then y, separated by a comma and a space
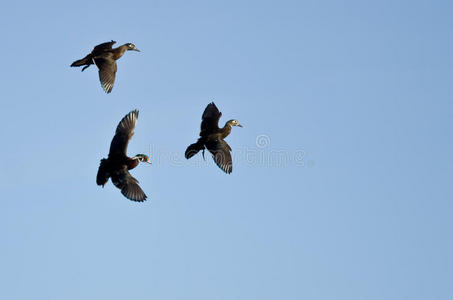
107, 70
220, 151
123, 134
103, 47
128, 185
210, 120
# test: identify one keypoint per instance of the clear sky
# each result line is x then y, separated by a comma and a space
341, 185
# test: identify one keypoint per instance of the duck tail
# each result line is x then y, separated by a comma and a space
82, 62
103, 175
194, 148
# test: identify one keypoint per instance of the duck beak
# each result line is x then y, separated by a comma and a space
135, 49
240, 125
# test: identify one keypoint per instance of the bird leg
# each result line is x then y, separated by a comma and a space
203, 155
85, 67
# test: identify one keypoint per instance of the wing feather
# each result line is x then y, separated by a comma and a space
107, 71
103, 47
220, 151
210, 120
124, 133
128, 185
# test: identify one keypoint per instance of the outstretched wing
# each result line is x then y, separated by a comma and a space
128, 185
210, 120
103, 47
124, 132
107, 70
220, 151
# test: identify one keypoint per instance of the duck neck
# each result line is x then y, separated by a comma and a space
118, 52
225, 131
132, 163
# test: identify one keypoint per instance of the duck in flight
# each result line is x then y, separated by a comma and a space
118, 164
212, 138
104, 57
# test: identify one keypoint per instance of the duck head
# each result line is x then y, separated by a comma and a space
142, 158
234, 123
131, 46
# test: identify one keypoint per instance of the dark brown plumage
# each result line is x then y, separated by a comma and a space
118, 164
212, 138
104, 56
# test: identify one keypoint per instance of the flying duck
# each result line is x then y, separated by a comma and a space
104, 56
118, 164
212, 138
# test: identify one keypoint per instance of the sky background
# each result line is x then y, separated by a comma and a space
341, 185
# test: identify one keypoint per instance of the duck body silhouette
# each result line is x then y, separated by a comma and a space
117, 165
105, 57
212, 138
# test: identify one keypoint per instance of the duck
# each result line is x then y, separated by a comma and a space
117, 165
105, 57
212, 138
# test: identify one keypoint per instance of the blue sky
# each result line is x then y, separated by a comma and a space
346, 195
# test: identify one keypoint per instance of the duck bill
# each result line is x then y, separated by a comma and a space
135, 49
240, 125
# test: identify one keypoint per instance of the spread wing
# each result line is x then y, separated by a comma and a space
220, 151
107, 70
210, 119
124, 132
128, 185
103, 47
